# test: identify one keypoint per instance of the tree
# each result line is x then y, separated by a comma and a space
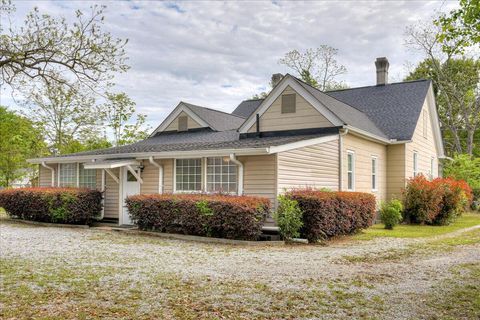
19, 140
465, 168
118, 111
56, 53
455, 84
64, 112
461, 27
317, 67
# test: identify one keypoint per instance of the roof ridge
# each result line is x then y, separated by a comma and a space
375, 85
211, 109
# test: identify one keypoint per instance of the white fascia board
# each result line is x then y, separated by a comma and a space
371, 136
181, 107
302, 143
156, 155
288, 80
437, 133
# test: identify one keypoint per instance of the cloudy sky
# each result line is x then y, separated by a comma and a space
216, 54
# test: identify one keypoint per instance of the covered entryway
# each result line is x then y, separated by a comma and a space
128, 180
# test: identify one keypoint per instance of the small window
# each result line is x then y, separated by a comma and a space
183, 123
87, 177
415, 163
67, 176
351, 171
374, 173
221, 175
131, 177
425, 123
188, 175
288, 103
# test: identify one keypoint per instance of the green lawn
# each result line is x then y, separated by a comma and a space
418, 231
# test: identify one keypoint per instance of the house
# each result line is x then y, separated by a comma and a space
368, 139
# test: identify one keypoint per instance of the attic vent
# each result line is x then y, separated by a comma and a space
288, 103
183, 123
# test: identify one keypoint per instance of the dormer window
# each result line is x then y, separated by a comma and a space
183, 123
288, 103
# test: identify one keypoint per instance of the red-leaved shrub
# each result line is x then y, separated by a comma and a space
329, 214
59, 205
220, 216
436, 202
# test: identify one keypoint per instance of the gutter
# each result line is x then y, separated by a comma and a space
160, 173
52, 170
340, 162
240, 173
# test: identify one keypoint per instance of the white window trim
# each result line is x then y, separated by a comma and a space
351, 152
175, 176
206, 176
374, 189
415, 163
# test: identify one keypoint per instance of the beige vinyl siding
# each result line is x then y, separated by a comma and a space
111, 205
167, 175
395, 170
306, 116
150, 177
425, 147
192, 124
259, 177
45, 176
312, 166
364, 150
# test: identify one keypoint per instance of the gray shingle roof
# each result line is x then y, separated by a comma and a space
217, 120
348, 114
394, 108
247, 107
192, 141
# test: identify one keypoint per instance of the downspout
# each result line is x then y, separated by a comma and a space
240, 173
52, 170
160, 173
340, 162
102, 190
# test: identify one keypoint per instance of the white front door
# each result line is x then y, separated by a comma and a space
131, 186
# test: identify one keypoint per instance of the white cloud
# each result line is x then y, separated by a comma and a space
218, 53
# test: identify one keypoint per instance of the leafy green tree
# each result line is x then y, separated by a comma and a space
19, 140
464, 167
460, 29
50, 50
66, 113
318, 67
455, 84
120, 117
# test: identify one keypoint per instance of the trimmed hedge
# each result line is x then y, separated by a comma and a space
329, 214
220, 216
435, 202
57, 205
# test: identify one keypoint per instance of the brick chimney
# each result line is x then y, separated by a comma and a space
382, 70
276, 78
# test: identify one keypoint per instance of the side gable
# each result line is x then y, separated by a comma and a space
305, 115
310, 112
171, 122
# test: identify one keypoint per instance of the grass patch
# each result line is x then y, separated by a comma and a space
418, 231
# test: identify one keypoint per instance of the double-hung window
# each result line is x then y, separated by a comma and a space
188, 175
374, 174
67, 176
87, 178
415, 163
351, 171
221, 175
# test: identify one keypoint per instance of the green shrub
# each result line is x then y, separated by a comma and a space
289, 218
391, 213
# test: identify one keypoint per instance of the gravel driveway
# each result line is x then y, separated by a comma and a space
94, 273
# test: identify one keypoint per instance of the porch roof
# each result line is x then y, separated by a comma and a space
110, 164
